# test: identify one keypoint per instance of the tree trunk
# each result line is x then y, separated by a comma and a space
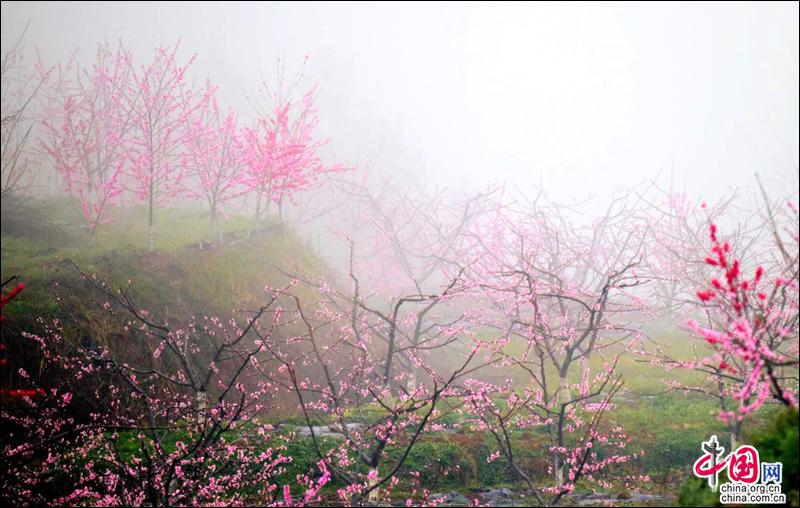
735, 433
216, 228
556, 436
412, 381
201, 398
563, 394
150, 234
374, 495
559, 469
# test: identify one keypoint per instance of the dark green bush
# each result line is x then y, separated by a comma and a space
780, 442
441, 464
695, 492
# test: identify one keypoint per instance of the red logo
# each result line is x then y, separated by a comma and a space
742, 464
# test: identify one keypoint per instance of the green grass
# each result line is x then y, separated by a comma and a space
38, 232
41, 242
637, 370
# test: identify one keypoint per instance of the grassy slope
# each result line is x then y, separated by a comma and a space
42, 243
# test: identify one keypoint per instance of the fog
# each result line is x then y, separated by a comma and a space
582, 99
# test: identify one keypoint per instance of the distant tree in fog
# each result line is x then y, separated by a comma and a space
19, 89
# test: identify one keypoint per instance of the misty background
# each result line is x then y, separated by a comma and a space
583, 100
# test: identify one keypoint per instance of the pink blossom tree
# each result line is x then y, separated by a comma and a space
733, 305
677, 239
160, 103
587, 451
85, 130
405, 238
338, 375
752, 323
560, 294
382, 360
217, 155
282, 147
675, 252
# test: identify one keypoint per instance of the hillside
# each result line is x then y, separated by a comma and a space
190, 273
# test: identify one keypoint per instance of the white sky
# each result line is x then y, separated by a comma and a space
584, 98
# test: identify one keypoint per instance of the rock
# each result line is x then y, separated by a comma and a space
451, 499
500, 497
630, 499
326, 430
